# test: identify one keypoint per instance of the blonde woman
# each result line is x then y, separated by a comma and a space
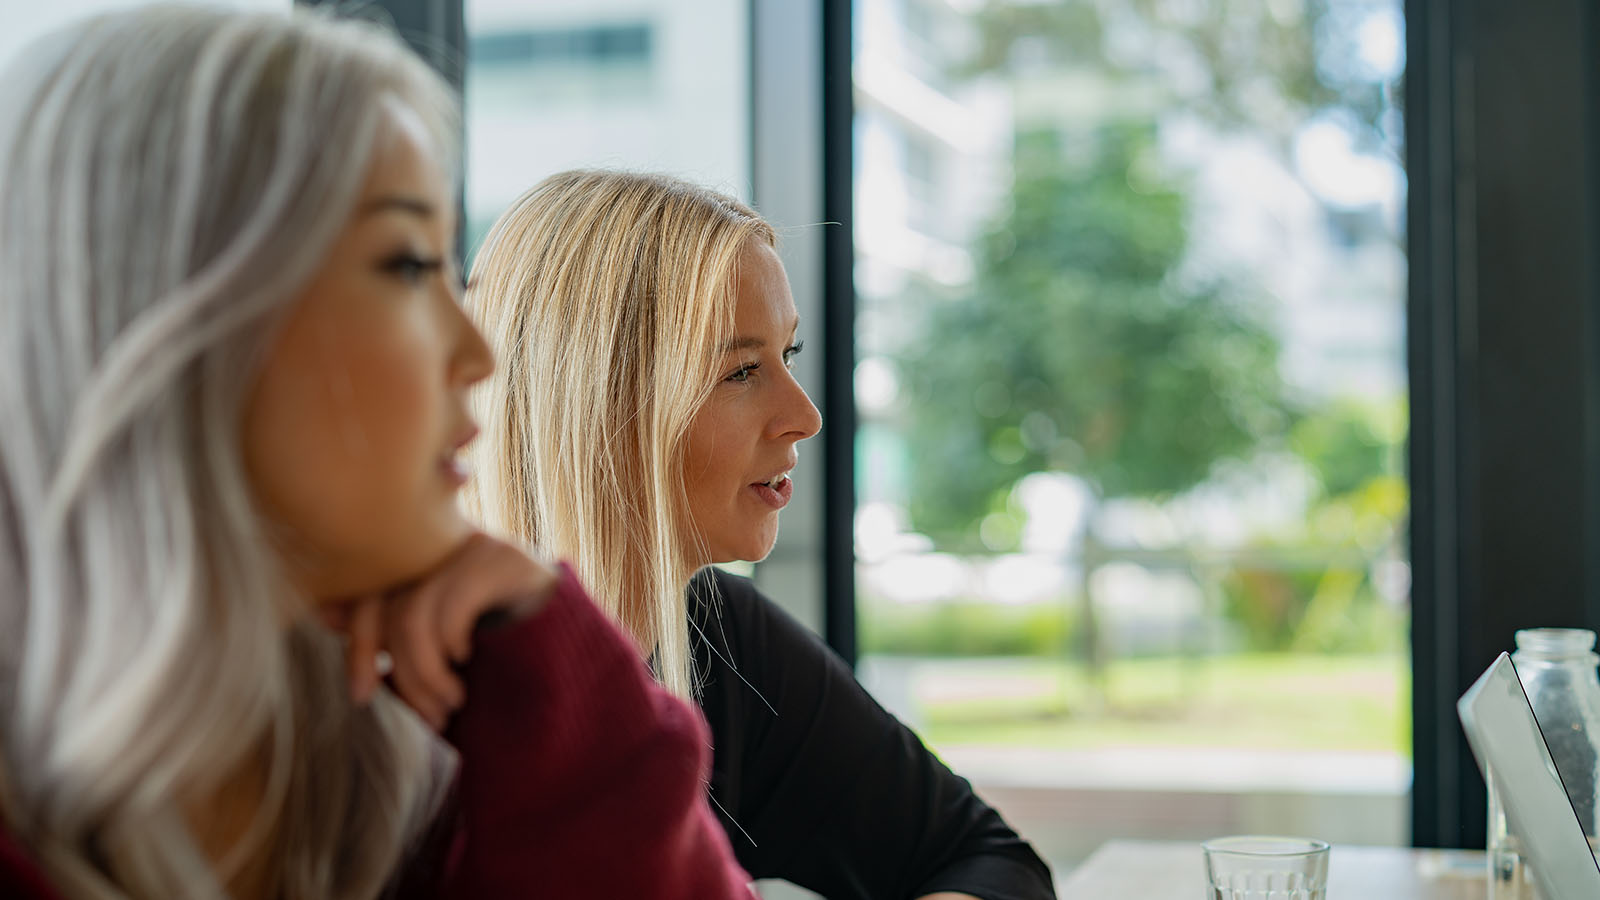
233, 378
644, 425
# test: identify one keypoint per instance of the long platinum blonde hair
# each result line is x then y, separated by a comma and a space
169, 179
607, 297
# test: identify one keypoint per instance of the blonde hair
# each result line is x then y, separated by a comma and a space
607, 297
170, 178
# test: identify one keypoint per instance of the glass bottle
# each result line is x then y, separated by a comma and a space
1558, 670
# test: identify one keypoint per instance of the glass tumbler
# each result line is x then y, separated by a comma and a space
1266, 868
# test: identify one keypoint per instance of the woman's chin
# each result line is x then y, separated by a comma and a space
402, 563
753, 554
443, 543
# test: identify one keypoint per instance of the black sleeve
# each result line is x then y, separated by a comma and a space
817, 784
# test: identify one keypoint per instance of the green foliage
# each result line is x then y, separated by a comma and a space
1349, 444
1353, 449
1085, 346
963, 629
1081, 349
1254, 701
1334, 610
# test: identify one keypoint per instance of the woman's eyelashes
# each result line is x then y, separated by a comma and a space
742, 374
413, 268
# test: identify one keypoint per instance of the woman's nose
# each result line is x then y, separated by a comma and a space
473, 359
799, 418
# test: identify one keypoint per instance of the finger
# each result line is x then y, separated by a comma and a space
410, 686
426, 708
333, 616
363, 635
456, 624
509, 583
403, 648
421, 669
432, 665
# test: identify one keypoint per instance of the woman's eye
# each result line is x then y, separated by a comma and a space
791, 352
742, 374
412, 268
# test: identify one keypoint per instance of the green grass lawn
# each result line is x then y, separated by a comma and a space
1258, 701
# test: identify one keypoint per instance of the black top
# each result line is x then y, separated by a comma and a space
817, 784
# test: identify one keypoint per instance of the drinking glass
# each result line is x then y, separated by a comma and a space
1255, 867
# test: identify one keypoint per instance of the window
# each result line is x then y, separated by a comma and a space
565, 66
1130, 544
551, 85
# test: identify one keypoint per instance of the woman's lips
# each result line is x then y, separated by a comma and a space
777, 493
453, 466
455, 470
465, 437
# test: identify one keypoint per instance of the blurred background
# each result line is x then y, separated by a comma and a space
1131, 526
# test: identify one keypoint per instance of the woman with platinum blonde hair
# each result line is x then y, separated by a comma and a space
644, 423
597, 286
233, 377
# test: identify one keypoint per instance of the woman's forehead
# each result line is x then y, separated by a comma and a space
405, 158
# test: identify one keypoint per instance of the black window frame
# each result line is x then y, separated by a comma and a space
1501, 112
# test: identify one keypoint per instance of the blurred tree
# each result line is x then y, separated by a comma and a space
1358, 514
1349, 443
1083, 347
1085, 344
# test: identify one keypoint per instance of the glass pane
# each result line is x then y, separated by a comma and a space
1131, 537
553, 85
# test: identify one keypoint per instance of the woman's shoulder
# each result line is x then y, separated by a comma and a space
732, 613
724, 584
717, 596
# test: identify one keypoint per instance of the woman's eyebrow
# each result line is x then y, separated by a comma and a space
743, 343
401, 203
752, 342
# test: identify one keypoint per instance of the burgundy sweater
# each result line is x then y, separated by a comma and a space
579, 778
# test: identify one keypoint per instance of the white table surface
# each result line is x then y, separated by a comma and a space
1165, 870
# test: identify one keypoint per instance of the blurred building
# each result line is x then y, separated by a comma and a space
635, 84
932, 148
932, 167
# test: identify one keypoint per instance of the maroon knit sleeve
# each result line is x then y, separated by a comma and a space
580, 777
20, 878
